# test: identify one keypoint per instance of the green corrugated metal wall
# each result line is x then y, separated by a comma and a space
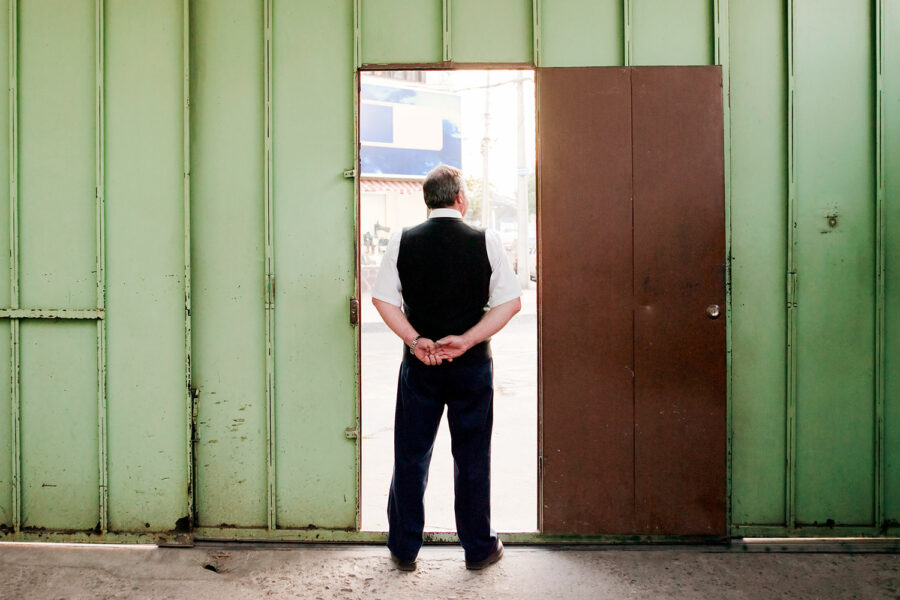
112, 166
273, 122
95, 426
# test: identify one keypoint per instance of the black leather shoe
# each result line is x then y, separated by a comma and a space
403, 565
491, 558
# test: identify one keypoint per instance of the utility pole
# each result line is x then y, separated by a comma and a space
486, 219
522, 196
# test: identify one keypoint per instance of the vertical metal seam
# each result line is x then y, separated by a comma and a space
13, 154
723, 58
99, 157
16, 441
357, 33
627, 49
791, 291
716, 32
270, 273
186, 192
447, 31
538, 85
536, 32
880, 264
357, 338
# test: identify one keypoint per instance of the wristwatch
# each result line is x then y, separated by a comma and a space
412, 347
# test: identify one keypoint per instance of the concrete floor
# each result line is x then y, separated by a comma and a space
53, 572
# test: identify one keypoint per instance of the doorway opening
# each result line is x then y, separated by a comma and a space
483, 122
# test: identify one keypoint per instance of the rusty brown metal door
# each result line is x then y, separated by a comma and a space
632, 300
585, 279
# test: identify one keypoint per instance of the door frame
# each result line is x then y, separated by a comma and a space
539, 537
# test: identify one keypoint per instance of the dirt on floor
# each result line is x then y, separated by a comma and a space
223, 571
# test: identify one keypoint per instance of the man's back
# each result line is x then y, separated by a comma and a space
445, 273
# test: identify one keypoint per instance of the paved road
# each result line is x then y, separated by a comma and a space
514, 450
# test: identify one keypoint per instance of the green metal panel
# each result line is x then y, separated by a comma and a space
145, 281
227, 196
255, 160
672, 32
59, 424
6, 449
314, 237
420, 40
56, 154
6, 446
491, 31
835, 223
890, 138
582, 33
759, 190
4, 169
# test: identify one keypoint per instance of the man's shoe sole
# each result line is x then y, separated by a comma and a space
403, 565
491, 559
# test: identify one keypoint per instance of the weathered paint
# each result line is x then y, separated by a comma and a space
190, 422
790, 476
85, 446
781, 362
834, 145
758, 240
228, 235
100, 268
147, 408
679, 272
879, 261
890, 182
14, 513
588, 467
60, 479
57, 228
722, 58
51, 313
271, 446
315, 344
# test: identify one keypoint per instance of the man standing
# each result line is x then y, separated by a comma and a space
456, 289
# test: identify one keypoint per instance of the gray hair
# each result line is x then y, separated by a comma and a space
442, 184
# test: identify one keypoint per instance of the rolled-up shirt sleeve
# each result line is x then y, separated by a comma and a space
387, 284
504, 285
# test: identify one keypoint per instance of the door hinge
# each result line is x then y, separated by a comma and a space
195, 394
349, 173
270, 290
354, 311
352, 433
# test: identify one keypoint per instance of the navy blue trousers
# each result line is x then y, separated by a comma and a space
422, 392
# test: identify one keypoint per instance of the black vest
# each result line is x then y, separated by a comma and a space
445, 274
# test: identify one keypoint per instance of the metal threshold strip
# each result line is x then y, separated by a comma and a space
268, 539
239, 534
287, 537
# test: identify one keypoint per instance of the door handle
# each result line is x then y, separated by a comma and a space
713, 311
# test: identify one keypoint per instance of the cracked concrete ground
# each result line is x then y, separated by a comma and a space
223, 571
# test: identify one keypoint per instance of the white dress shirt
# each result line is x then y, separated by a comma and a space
503, 286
